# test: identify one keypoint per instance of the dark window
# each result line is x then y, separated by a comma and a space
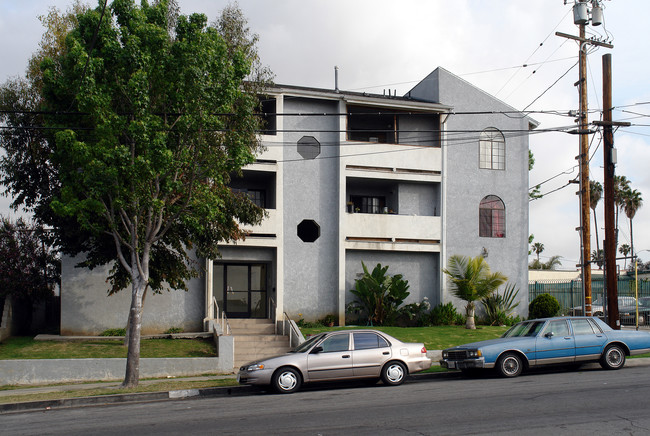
368, 204
364, 341
308, 147
336, 343
268, 115
492, 217
492, 150
308, 231
257, 196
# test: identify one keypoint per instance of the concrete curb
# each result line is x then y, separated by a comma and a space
104, 400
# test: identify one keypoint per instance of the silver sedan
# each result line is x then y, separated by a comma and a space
338, 355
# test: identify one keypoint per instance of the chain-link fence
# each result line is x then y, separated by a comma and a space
571, 298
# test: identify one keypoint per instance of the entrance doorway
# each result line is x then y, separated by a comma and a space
241, 289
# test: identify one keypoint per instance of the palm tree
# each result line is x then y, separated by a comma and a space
552, 262
624, 250
595, 194
621, 186
538, 247
631, 203
471, 280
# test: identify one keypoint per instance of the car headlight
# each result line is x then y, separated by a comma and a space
255, 367
445, 354
474, 354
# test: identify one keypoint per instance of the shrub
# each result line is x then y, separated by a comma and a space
445, 314
543, 306
172, 330
113, 332
379, 295
415, 314
498, 308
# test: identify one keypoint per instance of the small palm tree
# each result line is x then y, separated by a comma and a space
471, 280
632, 201
595, 194
624, 250
621, 187
552, 262
538, 247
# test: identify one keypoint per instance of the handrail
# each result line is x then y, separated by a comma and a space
273, 308
221, 320
293, 330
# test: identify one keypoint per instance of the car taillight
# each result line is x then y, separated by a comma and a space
423, 350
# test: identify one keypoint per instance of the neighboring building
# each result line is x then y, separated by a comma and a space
350, 177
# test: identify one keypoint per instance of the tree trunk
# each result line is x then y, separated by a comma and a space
132, 376
469, 312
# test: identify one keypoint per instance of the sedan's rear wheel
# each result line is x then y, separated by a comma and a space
286, 381
613, 357
510, 365
393, 373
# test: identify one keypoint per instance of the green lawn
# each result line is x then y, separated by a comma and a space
434, 338
28, 348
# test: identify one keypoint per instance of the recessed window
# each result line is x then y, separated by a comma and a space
368, 204
492, 150
267, 114
308, 231
492, 217
308, 147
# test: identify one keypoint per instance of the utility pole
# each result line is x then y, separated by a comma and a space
609, 160
581, 18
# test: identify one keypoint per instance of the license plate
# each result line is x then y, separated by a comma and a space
451, 365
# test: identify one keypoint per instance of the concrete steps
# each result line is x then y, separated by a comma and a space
256, 339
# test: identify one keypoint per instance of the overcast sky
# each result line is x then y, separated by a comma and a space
381, 44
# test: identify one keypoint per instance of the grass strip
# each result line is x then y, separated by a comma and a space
162, 386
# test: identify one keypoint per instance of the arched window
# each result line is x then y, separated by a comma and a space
492, 150
492, 217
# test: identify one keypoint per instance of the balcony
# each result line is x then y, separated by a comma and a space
362, 228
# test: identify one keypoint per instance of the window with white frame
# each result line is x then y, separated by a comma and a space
492, 150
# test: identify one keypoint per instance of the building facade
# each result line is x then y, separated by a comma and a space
347, 178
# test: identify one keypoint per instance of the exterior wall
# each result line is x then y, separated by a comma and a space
422, 270
86, 309
465, 184
311, 192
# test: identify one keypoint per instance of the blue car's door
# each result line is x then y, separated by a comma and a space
590, 340
555, 344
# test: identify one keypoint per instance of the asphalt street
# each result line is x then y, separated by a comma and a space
588, 401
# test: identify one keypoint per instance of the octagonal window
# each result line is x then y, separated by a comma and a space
308, 147
308, 230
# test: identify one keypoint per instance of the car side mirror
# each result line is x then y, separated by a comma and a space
317, 350
549, 335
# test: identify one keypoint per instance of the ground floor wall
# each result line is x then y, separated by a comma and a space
422, 270
87, 309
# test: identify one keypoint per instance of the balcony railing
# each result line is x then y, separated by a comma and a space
392, 227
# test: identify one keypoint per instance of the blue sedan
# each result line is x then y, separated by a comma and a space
562, 340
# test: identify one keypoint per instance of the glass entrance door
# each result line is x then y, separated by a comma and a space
241, 289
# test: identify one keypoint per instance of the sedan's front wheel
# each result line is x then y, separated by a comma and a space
286, 381
509, 365
613, 357
393, 373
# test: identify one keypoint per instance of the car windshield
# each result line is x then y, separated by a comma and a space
307, 344
528, 328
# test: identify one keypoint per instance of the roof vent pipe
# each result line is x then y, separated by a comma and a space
336, 78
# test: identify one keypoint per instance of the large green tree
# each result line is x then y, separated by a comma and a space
470, 279
147, 115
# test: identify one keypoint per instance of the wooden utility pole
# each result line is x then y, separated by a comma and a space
583, 158
585, 221
610, 206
